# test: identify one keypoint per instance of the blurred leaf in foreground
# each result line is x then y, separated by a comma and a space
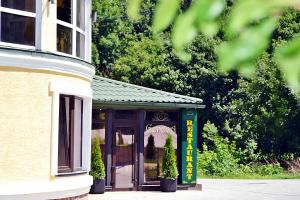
247, 12
241, 52
164, 14
133, 8
248, 29
288, 57
200, 17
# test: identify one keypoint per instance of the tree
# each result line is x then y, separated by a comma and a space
97, 166
262, 110
144, 63
169, 167
113, 31
217, 157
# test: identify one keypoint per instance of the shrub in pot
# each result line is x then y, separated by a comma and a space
97, 168
168, 182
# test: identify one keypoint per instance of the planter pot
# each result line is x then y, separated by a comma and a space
98, 186
168, 185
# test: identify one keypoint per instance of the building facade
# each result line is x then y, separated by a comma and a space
133, 123
45, 98
48, 114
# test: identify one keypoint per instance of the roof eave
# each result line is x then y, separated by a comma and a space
147, 104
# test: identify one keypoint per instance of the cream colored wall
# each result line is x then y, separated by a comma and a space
25, 122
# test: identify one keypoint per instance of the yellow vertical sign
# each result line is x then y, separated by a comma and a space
189, 150
189, 146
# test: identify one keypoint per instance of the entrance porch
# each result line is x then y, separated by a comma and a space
133, 123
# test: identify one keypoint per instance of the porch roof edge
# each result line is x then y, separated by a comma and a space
152, 105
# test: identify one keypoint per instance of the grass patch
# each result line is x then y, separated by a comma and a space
286, 175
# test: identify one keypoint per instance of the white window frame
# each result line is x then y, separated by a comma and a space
58, 87
36, 15
74, 28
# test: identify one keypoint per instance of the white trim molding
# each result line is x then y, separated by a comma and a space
48, 22
17, 12
88, 28
38, 24
36, 14
86, 31
41, 62
58, 87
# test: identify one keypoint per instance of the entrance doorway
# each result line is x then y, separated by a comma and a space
158, 126
124, 173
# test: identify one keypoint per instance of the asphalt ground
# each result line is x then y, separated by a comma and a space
219, 189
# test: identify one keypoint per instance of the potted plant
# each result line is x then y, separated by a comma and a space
97, 168
168, 182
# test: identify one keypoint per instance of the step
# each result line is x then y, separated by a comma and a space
108, 188
156, 187
147, 187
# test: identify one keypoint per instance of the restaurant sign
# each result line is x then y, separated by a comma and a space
189, 146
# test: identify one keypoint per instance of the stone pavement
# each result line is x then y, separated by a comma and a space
215, 189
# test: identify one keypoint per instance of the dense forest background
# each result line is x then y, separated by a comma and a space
246, 120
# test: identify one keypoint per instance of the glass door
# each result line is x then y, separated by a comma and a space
124, 161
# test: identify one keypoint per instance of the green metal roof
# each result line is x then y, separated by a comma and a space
108, 92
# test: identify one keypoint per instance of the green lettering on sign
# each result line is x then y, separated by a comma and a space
189, 146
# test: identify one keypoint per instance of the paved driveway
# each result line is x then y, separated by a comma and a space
219, 189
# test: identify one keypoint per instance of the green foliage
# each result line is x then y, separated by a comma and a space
248, 29
241, 52
95, 55
268, 169
169, 168
200, 16
113, 32
218, 157
221, 158
288, 57
164, 15
144, 63
97, 166
263, 110
133, 8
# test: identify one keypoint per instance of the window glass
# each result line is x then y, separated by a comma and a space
79, 45
65, 31
64, 10
77, 133
154, 140
64, 147
98, 128
123, 158
158, 125
64, 39
24, 5
17, 29
80, 14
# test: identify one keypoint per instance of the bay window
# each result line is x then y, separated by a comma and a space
71, 128
17, 22
70, 134
71, 27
